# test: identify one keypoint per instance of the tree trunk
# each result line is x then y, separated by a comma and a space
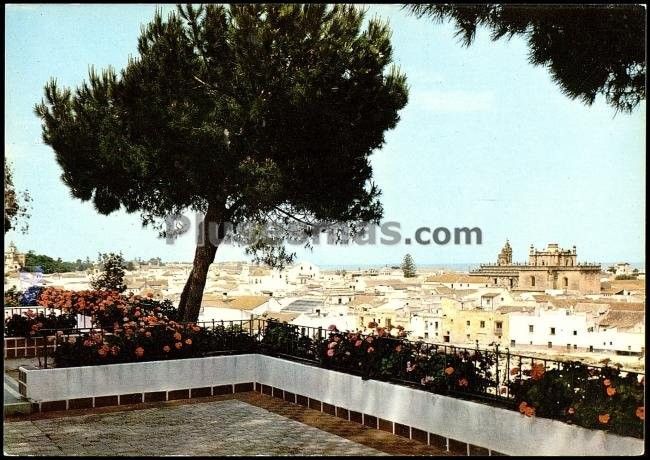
190, 303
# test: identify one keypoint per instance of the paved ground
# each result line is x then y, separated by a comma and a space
241, 424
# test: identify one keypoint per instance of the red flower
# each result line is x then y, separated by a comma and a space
603, 418
139, 352
370, 349
537, 371
358, 343
449, 370
606, 382
640, 412
330, 352
188, 342
178, 345
611, 391
463, 382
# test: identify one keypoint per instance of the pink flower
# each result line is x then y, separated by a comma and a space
330, 352
331, 345
370, 349
358, 343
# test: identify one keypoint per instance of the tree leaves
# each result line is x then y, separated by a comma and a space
588, 49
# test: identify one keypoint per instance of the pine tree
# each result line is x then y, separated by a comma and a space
408, 266
253, 114
112, 276
588, 49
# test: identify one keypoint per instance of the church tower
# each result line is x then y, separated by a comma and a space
505, 256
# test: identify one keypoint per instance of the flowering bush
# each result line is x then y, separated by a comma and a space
587, 396
30, 323
384, 357
148, 340
12, 298
135, 341
30, 296
108, 308
283, 338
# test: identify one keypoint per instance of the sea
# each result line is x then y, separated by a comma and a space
456, 267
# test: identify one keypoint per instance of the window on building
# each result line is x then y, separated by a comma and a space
550, 344
426, 335
482, 324
436, 324
468, 336
512, 343
498, 324
339, 300
575, 332
532, 281
591, 329
552, 331
468, 323
610, 343
575, 347
565, 281
531, 328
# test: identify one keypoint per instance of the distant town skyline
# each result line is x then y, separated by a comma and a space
486, 140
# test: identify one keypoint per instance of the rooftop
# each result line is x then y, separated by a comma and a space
238, 424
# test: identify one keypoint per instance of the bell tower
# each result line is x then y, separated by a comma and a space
505, 256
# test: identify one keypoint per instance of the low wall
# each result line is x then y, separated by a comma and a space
420, 415
474, 423
22, 347
131, 378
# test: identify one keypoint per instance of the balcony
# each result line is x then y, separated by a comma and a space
473, 408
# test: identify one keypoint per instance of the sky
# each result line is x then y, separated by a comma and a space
487, 140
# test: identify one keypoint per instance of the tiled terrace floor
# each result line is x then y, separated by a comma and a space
238, 424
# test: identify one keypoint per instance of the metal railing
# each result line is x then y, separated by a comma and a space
83, 321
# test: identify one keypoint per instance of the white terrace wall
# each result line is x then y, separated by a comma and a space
151, 376
479, 424
494, 428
